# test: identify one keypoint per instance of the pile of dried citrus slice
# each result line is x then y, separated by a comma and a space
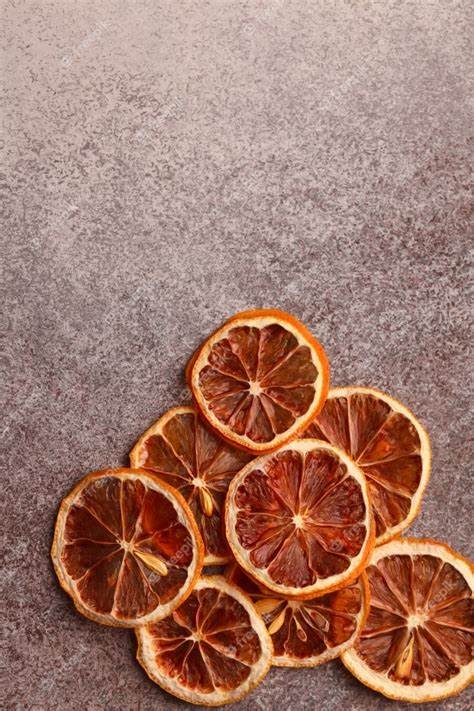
302, 493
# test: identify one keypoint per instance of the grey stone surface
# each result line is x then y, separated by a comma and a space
166, 164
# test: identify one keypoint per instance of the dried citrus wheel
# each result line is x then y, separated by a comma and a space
213, 650
259, 379
306, 633
389, 445
299, 520
417, 642
187, 454
126, 547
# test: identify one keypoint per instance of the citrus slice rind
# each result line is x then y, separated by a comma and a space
390, 446
299, 520
307, 633
183, 451
213, 650
126, 547
417, 642
259, 379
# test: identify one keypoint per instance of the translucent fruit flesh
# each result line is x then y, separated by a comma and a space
306, 632
301, 516
258, 381
386, 446
186, 454
213, 649
125, 548
210, 629
421, 623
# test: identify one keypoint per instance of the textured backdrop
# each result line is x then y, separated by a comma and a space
169, 163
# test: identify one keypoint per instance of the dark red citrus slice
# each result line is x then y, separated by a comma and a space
260, 379
390, 446
299, 520
126, 547
186, 453
213, 650
306, 633
417, 643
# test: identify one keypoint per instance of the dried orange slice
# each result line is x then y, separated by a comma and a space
390, 446
306, 633
417, 642
183, 451
299, 520
259, 379
213, 650
126, 547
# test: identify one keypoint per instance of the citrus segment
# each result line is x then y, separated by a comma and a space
213, 650
259, 379
389, 445
299, 520
126, 547
306, 633
417, 642
183, 451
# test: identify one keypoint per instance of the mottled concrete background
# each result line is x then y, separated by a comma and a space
169, 163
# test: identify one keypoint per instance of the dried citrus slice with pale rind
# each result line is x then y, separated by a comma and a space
299, 520
306, 633
126, 547
260, 379
417, 643
390, 446
183, 451
213, 650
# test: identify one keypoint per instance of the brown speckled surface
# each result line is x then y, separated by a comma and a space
168, 163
